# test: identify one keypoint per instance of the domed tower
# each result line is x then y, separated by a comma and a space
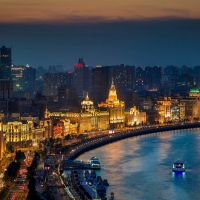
87, 105
115, 107
194, 91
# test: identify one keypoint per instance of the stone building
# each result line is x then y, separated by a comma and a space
134, 117
163, 107
88, 119
115, 108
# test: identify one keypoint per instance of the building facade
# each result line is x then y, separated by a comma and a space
81, 78
115, 108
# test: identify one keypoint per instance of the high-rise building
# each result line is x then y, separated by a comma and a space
54, 80
101, 77
5, 63
171, 72
81, 78
156, 77
185, 70
40, 72
70, 78
6, 89
23, 78
124, 78
153, 77
139, 78
197, 75
67, 95
148, 76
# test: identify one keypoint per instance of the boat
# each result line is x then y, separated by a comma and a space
178, 166
94, 162
93, 159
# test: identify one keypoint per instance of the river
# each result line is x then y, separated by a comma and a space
139, 168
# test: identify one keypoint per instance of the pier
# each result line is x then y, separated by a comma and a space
87, 185
74, 164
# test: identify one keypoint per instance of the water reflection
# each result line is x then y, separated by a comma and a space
141, 167
177, 175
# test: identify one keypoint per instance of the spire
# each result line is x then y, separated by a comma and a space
112, 87
87, 97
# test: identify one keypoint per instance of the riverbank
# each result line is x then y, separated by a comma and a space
83, 147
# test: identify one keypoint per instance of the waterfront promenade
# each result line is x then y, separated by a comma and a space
78, 149
75, 150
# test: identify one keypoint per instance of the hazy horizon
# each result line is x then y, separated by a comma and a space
139, 33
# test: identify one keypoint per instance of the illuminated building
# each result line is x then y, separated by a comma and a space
58, 129
191, 104
135, 117
5, 63
190, 108
115, 108
164, 109
17, 132
63, 127
88, 119
92, 119
81, 78
146, 104
23, 78
48, 125
177, 110
194, 91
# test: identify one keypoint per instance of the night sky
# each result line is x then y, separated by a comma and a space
107, 32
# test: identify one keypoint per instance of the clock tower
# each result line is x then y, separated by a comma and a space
115, 108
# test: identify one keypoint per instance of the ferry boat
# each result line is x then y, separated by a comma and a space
178, 166
94, 162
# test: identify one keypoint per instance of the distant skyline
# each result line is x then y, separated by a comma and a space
140, 33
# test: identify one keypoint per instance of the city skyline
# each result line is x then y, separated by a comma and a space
102, 33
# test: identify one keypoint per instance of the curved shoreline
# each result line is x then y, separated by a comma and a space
98, 142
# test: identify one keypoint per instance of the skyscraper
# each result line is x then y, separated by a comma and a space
23, 78
5, 63
101, 77
81, 78
139, 78
124, 77
153, 77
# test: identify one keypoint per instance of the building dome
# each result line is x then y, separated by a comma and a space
87, 101
194, 89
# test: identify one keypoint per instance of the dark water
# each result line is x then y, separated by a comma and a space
139, 168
